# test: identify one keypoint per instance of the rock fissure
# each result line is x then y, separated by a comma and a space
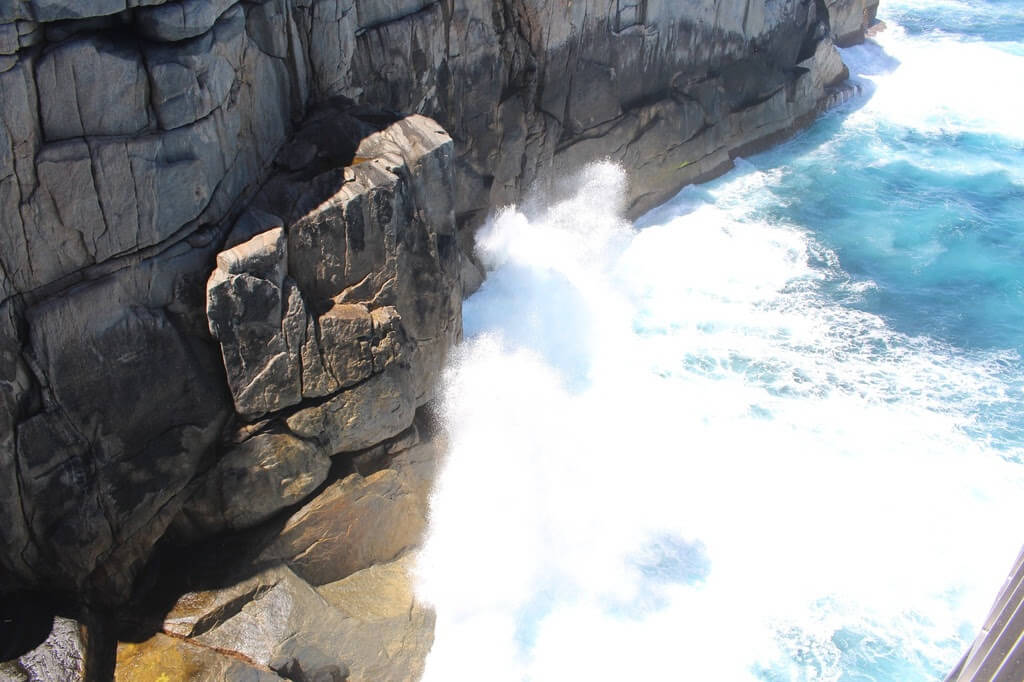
249, 357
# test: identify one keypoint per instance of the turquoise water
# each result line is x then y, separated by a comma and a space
772, 431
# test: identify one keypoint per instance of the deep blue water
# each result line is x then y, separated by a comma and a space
773, 431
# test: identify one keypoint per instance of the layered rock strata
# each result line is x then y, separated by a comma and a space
221, 273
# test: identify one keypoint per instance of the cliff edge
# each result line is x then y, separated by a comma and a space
234, 236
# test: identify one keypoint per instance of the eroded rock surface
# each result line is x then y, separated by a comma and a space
226, 260
60, 657
850, 19
330, 591
274, 625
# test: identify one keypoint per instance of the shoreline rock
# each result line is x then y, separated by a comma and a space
231, 272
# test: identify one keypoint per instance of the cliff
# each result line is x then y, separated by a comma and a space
234, 235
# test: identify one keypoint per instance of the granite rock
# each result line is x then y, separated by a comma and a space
174, 659
139, 139
246, 308
180, 19
253, 481
61, 657
368, 626
849, 19
354, 524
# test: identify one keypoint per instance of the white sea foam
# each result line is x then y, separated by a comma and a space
685, 393
939, 83
675, 454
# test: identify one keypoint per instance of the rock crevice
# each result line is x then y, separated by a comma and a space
235, 236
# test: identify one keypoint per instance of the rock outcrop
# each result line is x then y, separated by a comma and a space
850, 20
326, 594
230, 272
61, 657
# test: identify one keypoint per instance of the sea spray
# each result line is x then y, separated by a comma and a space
751, 438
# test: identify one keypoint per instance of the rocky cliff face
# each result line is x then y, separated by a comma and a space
227, 264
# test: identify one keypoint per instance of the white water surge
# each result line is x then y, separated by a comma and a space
678, 452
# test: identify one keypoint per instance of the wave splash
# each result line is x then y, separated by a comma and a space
705, 447
676, 451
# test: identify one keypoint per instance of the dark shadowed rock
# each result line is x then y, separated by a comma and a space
61, 657
253, 481
92, 481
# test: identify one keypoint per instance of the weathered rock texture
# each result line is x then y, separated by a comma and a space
273, 626
327, 594
61, 657
851, 19
219, 268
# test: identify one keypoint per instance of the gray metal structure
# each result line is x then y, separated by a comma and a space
997, 655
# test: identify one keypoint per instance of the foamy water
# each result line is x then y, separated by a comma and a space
751, 437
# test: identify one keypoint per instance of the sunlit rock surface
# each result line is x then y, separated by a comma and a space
229, 247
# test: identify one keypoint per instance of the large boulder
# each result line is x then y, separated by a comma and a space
354, 524
169, 658
850, 19
390, 632
381, 233
246, 307
61, 657
368, 627
252, 482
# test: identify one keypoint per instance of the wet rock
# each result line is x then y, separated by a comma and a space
850, 19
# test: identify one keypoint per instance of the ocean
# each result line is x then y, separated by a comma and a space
774, 429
